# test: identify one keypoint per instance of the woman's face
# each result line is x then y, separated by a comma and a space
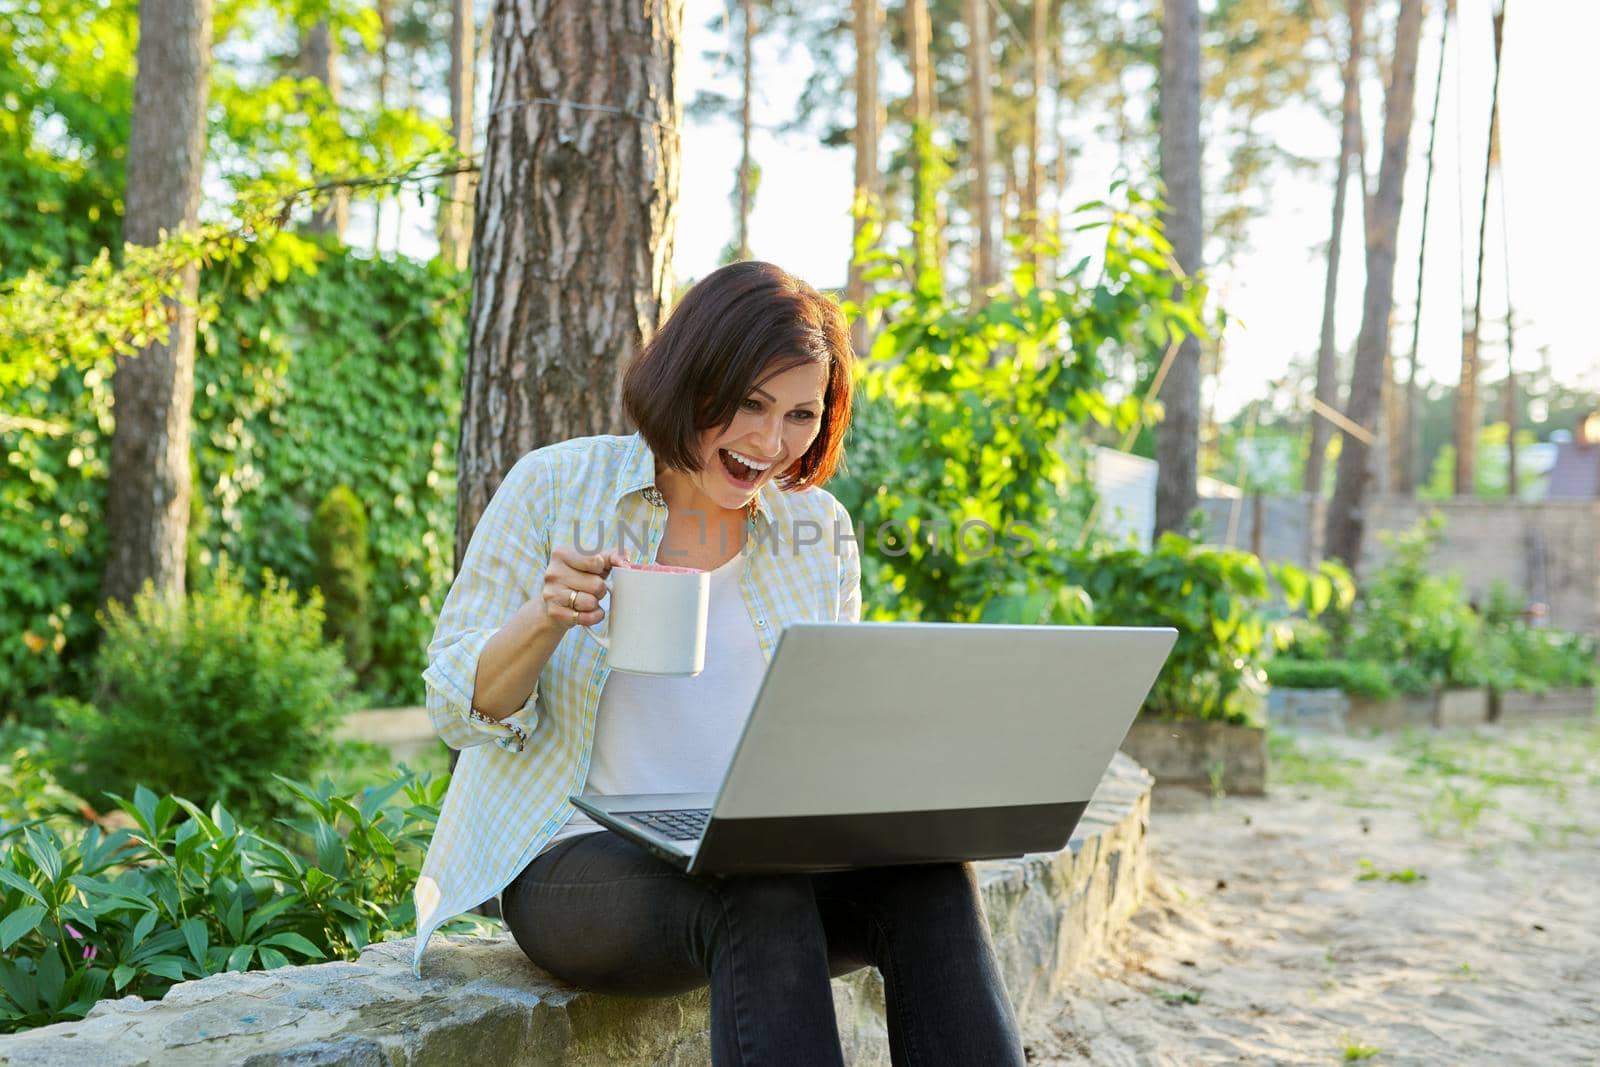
773, 427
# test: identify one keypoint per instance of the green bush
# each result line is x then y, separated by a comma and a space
316, 367
187, 893
1212, 597
1353, 677
1537, 659
30, 795
1420, 622
343, 373
211, 697
970, 458
343, 573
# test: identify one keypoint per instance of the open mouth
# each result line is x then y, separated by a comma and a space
738, 470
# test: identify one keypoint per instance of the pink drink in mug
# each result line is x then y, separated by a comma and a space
656, 620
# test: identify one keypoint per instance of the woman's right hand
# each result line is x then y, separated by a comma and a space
573, 585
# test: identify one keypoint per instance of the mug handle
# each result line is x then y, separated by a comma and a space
605, 643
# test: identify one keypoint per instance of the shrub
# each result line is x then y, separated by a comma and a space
1211, 596
316, 367
211, 697
1416, 620
30, 794
971, 451
343, 573
187, 893
1356, 678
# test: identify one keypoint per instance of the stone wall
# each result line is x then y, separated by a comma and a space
1548, 551
481, 1002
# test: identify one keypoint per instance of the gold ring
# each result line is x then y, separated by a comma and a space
572, 601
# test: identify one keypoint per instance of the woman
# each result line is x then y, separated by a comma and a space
742, 401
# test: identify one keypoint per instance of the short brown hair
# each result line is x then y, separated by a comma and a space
738, 326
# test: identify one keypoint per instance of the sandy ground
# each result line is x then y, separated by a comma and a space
1411, 899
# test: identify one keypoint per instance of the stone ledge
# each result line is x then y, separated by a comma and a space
481, 1001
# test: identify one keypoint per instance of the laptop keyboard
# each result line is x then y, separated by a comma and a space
680, 824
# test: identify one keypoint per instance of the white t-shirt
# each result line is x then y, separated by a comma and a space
676, 735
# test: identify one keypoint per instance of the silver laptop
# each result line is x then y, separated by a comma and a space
878, 743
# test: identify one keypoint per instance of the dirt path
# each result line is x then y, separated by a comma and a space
1414, 899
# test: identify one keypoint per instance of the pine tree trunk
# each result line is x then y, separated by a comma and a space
147, 506
1178, 436
1327, 390
1346, 522
924, 213
746, 124
455, 209
1035, 188
1406, 462
319, 59
981, 145
865, 15
576, 213
1466, 424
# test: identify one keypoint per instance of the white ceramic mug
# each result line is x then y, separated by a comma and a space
657, 620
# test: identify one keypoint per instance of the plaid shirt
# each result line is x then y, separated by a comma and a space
509, 792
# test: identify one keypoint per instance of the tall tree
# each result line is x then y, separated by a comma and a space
1327, 389
576, 215
865, 15
1467, 407
924, 214
319, 59
741, 22
980, 136
747, 90
1346, 522
1038, 75
1406, 441
147, 509
455, 204
1178, 436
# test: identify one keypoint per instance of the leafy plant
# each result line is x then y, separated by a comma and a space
343, 573
30, 794
969, 461
1369, 680
185, 893
1211, 596
1407, 615
212, 696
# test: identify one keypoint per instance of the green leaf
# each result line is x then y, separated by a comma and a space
272, 959
20, 884
239, 958
1321, 594
167, 967
122, 975
267, 912
196, 937
41, 848
19, 924
142, 928
295, 943
50, 977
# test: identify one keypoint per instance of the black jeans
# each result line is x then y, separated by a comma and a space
605, 915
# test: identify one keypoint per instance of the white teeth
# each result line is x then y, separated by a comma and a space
747, 461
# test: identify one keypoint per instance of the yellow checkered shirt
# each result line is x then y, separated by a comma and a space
509, 792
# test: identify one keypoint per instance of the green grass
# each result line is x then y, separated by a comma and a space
1293, 762
1370, 872
1464, 807
1354, 1051
1181, 996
